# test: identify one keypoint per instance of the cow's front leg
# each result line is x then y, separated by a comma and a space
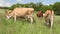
14, 19
46, 21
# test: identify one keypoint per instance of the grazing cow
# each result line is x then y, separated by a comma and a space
20, 12
39, 14
49, 15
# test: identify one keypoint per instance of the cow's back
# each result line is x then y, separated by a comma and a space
22, 11
48, 13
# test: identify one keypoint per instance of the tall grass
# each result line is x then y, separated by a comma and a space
25, 27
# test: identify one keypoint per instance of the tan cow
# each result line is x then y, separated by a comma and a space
20, 12
49, 16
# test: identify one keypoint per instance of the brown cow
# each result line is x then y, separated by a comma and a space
20, 12
48, 16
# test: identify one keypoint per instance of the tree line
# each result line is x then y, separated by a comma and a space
39, 6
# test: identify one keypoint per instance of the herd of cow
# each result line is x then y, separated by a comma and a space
28, 13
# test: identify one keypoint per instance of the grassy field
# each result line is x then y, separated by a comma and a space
24, 27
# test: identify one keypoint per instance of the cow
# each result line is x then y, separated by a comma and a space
20, 12
49, 16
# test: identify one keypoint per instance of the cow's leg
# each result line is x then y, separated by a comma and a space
47, 21
31, 18
51, 21
14, 19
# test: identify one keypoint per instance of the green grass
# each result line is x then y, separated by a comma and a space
25, 27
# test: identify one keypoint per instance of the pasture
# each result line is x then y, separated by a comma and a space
24, 27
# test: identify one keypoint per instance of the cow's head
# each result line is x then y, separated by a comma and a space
8, 13
40, 14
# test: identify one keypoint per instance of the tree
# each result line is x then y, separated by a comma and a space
46, 7
56, 7
15, 5
38, 6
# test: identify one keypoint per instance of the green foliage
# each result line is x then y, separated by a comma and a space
56, 7
39, 6
14, 6
46, 7
28, 5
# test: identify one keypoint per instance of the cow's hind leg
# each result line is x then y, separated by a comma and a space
51, 21
31, 18
34, 20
